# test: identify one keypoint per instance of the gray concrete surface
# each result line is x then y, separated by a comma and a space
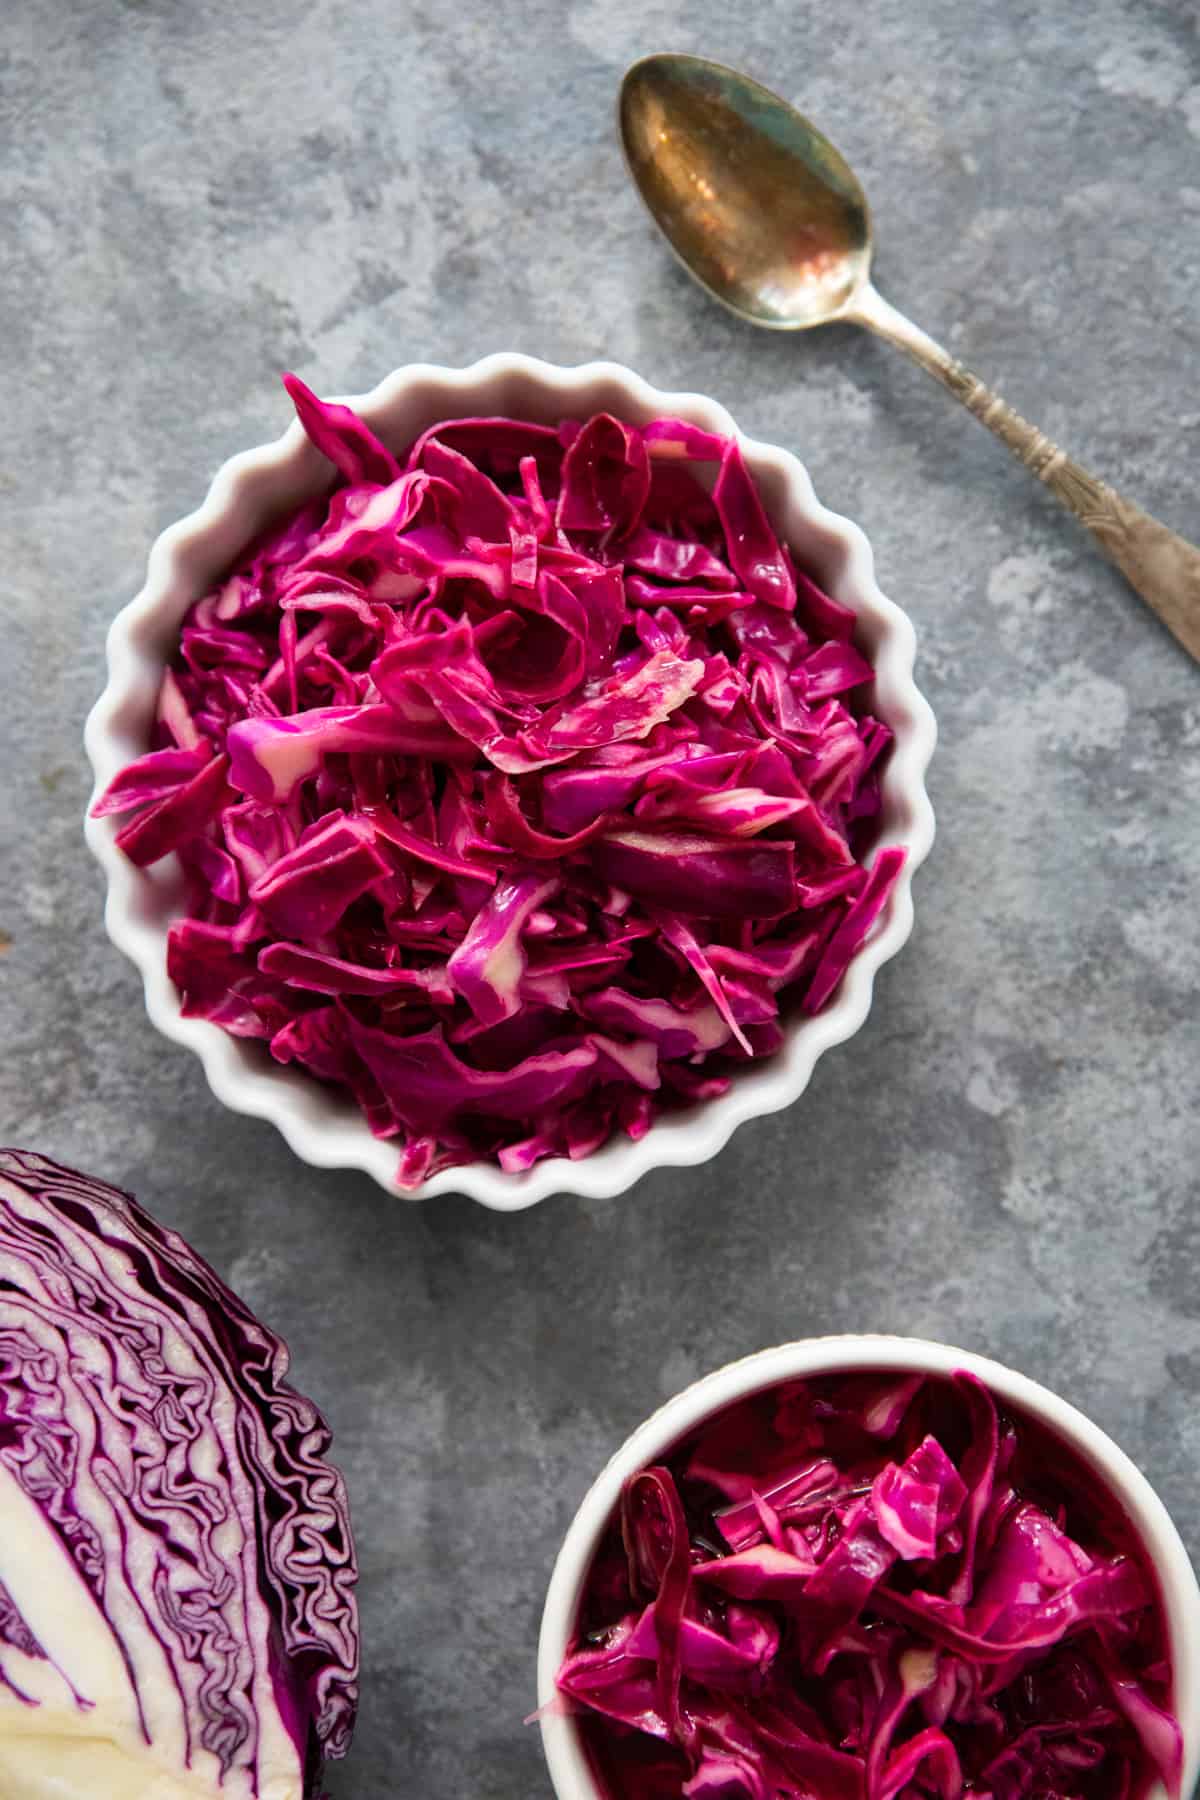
195, 196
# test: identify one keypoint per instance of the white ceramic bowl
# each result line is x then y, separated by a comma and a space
262, 484
832, 1355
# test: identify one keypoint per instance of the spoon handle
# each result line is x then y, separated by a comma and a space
1159, 565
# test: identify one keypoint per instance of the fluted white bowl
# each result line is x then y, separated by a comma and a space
261, 484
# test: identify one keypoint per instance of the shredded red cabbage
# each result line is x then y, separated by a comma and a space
871, 1587
518, 783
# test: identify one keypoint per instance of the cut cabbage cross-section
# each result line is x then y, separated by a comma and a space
177, 1613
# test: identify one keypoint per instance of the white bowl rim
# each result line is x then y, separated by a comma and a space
302, 1111
848, 1352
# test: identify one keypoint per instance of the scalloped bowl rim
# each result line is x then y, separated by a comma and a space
807, 1357
324, 1130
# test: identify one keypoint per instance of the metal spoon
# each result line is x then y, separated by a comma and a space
763, 211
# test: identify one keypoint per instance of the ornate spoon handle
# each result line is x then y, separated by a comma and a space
1158, 564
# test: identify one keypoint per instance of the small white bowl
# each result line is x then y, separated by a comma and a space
259, 485
565, 1757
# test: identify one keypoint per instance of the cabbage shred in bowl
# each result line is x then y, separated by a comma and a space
873, 1586
523, 786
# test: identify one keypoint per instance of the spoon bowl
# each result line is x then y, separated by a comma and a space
757, 204
768, 217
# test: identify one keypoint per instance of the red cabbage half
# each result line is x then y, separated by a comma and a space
177, 1611
872, 1587
522, 785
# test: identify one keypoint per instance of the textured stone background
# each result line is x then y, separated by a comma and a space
196, 196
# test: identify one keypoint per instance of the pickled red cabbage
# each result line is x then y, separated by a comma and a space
872, 1587
523, 784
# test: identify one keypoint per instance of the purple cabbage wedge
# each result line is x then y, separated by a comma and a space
522, 785
177, 1612
872, 1587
